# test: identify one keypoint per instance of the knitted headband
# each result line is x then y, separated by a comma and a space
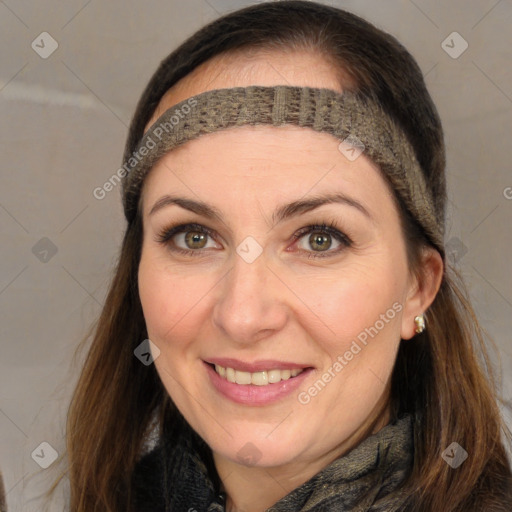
358, 121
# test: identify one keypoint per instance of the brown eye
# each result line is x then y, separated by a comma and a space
195, 240
188, 239
320, 241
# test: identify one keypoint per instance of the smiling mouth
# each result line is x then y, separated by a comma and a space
263, 378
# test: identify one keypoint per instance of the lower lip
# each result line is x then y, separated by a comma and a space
250, 394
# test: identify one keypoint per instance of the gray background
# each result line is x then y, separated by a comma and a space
64, 122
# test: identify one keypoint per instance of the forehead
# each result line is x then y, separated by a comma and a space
253, 168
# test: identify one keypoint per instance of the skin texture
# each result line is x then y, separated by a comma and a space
286, 305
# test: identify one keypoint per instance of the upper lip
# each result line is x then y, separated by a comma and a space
255, 366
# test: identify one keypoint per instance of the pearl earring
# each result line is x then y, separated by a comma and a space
420, 323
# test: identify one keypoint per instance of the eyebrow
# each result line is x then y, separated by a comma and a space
283, 212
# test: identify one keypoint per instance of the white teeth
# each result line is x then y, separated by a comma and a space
257, 378
230, 375
242, 377
285, 374
274, 376
220, 370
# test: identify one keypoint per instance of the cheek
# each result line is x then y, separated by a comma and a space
169, 300
352, 300
359, 335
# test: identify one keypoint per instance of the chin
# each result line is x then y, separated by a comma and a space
259, 450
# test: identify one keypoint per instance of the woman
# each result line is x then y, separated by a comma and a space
310, 348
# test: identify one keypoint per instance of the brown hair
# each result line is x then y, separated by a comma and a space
437, 377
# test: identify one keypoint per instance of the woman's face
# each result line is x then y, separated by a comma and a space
252, 287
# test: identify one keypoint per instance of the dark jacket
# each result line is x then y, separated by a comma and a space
179, 476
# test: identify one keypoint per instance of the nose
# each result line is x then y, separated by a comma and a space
252, 302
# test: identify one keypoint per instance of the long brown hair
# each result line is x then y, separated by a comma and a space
438, 377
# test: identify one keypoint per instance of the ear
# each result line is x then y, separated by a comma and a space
422, 290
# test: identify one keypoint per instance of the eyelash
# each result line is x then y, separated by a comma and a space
331, 229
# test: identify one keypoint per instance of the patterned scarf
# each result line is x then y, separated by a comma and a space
179, 476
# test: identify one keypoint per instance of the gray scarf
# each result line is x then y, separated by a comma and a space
179, 476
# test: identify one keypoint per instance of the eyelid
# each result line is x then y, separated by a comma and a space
331, 229
166, 235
